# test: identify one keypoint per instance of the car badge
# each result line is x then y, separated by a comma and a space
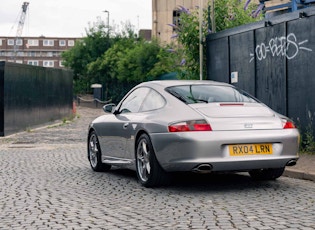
248, 125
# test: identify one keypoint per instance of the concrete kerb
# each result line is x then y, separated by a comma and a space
299, 174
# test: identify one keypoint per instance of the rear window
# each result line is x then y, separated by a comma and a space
191, 94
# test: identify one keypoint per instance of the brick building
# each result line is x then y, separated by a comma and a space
166, 12
38, 51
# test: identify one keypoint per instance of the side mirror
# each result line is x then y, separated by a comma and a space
109, 108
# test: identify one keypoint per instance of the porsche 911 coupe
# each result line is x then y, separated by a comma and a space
161, 127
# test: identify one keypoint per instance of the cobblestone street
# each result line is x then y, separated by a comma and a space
47, 183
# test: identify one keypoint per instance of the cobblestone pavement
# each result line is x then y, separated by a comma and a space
46, 183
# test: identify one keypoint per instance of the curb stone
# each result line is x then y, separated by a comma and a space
299, 174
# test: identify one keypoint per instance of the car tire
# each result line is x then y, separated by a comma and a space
266, 174
94, 154
149, 171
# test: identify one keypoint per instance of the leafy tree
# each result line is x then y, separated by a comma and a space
167, 62
105, 68
85, 51
128, 62
227, 14
136, 64
233, 13
117, 60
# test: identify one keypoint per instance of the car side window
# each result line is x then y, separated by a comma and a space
153, 101
134, 100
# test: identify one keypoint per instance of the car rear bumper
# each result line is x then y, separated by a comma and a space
187, 151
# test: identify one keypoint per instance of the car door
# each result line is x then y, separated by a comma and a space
152, 102
122, 125
109, 134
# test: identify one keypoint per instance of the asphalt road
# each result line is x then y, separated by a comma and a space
46, 183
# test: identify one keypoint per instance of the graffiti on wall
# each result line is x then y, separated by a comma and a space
287, 46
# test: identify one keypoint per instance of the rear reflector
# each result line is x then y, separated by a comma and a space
188, 126
289, 125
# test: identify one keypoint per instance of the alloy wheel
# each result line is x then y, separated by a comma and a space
93, 151
143, 160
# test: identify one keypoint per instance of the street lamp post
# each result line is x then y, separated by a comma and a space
200, 39
212, 17
106, 11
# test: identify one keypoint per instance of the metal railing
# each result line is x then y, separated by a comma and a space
92, 102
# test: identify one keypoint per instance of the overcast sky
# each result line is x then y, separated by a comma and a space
70, 18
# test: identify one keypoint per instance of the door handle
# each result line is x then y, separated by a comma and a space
125, 126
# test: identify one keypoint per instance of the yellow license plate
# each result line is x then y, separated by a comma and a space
250, 149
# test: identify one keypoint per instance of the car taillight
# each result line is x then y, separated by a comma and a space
289, 125
187, 126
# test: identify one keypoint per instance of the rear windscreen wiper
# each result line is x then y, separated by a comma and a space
177, 95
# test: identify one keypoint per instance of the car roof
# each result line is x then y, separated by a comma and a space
169, 83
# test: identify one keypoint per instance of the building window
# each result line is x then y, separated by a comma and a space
56, 54
61, 64
9, 54
32, 42
20, 54
62, 42
70, 42
31, 62
48, 63
49, 54
48, 42
31, 54
19, 61
0, 42
19, 42
176, 18
10, 42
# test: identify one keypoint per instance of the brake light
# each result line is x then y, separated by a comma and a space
231, 104
188, 126
289, 125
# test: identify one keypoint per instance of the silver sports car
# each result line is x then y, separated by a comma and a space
200, 126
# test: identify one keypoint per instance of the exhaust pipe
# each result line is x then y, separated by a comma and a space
291, 163
203, 168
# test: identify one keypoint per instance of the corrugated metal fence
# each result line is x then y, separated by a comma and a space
31, 95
